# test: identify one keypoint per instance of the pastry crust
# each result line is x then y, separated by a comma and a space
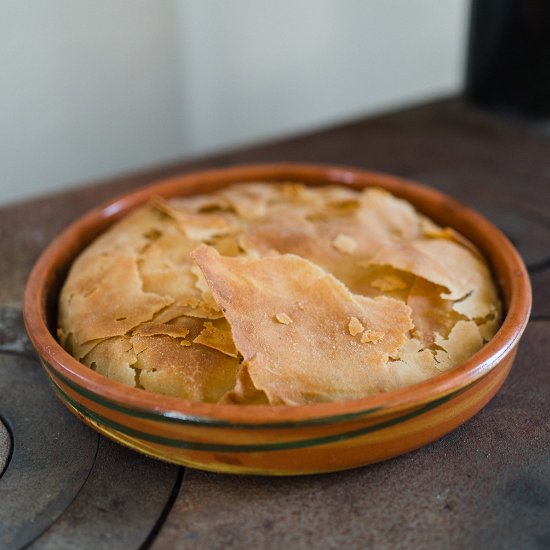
277, 293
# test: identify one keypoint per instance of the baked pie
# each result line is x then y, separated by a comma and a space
277, 293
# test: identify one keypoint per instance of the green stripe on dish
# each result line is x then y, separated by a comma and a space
179, 418
259, 447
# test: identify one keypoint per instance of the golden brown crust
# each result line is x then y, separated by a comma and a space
277, 293
280, 355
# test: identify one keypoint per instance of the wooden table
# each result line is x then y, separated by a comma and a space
486, 485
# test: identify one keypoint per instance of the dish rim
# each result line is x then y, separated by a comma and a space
55, 261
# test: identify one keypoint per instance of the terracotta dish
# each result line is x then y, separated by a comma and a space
280, 440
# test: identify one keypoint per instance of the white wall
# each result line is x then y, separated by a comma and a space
90, 89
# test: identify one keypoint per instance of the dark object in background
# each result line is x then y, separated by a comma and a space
509, 56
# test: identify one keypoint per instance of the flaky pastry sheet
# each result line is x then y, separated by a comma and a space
277, 293
290, 319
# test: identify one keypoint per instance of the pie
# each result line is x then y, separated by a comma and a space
279, 294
